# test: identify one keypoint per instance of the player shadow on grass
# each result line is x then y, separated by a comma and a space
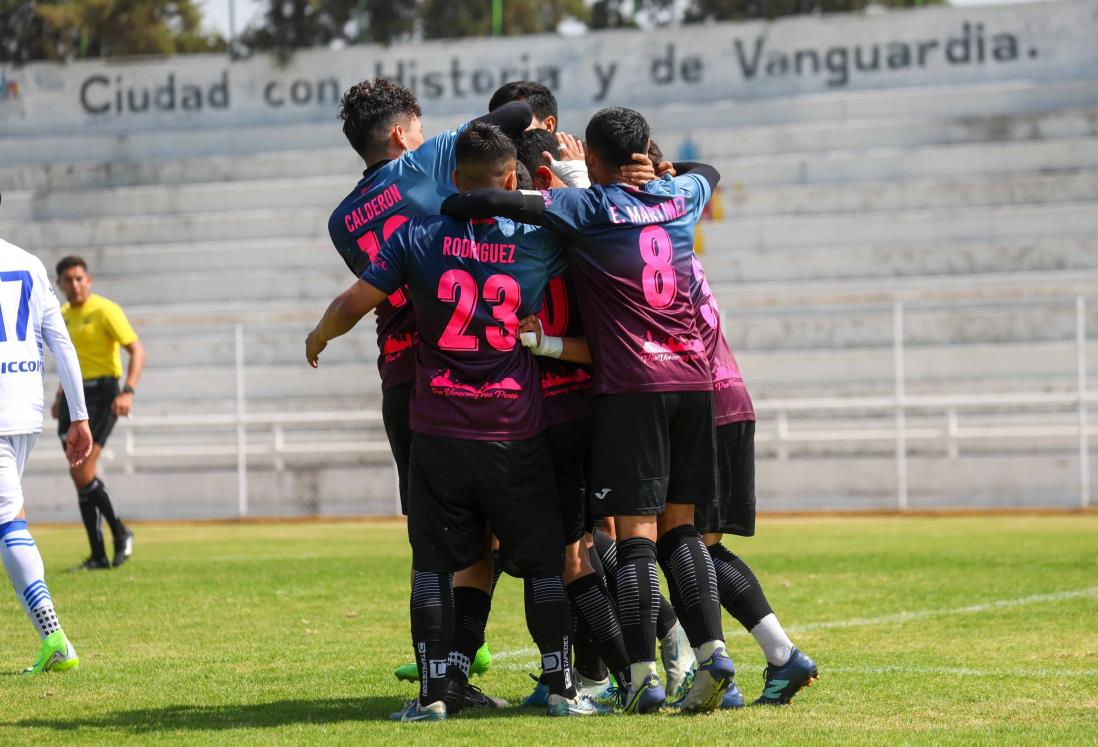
170, 719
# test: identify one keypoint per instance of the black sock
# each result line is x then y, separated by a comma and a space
89, 514
606, 551
547, 618
638, 595
741, 593
684, 558
667, 617
97, 491
471, 608
497, 571
590, 597
432, 614
586, 655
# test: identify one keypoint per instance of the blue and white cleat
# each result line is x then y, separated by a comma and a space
678, 662
648, 697
413, 711
712, 680
588, 686
783, 682
733, 698
581, 705
539, 698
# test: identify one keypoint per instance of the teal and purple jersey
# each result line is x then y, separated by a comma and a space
631, 253
731, 402
388, 194
470, 283
566, 388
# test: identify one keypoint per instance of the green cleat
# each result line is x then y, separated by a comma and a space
482, 662
55, 655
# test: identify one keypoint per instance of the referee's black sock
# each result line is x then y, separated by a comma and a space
471, 608
432, 616
684, 558
93, 526
591, 599
547, 618
97, 491
741, 593
638, 597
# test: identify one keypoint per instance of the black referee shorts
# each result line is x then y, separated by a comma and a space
99, 395
735, 509
651, 449
459, 488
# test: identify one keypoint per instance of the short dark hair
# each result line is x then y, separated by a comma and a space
523, 180
370, 109
531, 144
483, 152
69, 262
655, 153
540, 98
614, 134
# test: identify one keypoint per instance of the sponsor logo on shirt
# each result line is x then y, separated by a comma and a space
10, 367
444, 385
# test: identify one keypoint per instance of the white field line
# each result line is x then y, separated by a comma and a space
902, 617
529, 655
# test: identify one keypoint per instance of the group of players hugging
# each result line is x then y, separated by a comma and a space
556, 386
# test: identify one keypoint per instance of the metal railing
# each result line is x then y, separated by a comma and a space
897, 407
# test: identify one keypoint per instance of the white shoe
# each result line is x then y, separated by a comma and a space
589, 687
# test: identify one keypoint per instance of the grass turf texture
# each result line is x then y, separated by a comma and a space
276, 633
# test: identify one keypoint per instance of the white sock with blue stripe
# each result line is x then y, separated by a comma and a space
23, 563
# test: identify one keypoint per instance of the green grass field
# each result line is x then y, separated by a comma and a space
926, 630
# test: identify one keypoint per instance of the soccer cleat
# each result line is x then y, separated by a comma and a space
711, 681
413, 711
539, 698
581, 705
482, 662
588, 686
93, 564
733, 698
123, 548
678, 661
458, 696
647, 697
55, 654
783, 682
610, 697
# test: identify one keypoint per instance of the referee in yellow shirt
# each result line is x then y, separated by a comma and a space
98, 328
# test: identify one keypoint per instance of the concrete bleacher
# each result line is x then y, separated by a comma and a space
976, 205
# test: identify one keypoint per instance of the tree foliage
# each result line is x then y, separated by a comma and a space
74, 29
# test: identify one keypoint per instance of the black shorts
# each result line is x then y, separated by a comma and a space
735, 509
460, 488
570, 447
652, 449
395, 416
99, 396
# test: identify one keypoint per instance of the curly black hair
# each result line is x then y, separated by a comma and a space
540, 98
370, 109
614, 134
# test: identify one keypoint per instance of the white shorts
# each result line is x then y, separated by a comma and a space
14, 451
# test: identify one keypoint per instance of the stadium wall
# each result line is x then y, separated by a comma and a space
737, 61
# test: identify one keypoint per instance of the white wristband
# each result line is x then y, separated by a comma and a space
550, 347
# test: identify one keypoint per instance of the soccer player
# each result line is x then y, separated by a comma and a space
98, 328
654, 444
478, 459
788, 669
406, 176
29, 317
567, 396
540, 99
